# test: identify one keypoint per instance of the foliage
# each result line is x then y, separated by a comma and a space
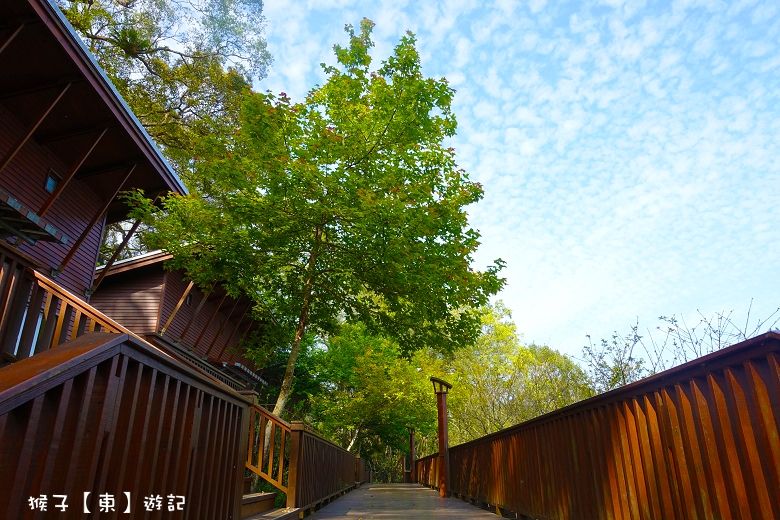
614, 362
347, 206
498, 382
182, 66
630, 357
369, 394
113, 235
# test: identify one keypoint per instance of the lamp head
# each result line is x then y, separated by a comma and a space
440, 386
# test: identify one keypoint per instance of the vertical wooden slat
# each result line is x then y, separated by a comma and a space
46, 335
214, 455
12, 324
202, 445
78, 442
120, 396
714, 471
758, 490
63, 321
9, 276
176, 423
31, 322
26, 463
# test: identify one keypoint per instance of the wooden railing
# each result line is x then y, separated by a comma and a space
268, 454
362, 473
110, 414
319, 469
698, 441
36, 314
309, 468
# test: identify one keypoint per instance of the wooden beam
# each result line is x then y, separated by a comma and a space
246, 331
40, 86
197, 311
11, 38
238, 325
108, 169
85, 233
77, 132
69, 175
206, 327
10, 154
222, 328
113, 258
178, 306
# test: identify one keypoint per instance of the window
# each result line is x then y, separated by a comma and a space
52, 179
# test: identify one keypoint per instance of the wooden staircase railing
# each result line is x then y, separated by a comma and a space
36, 314
309, 468
108, 413
269, 447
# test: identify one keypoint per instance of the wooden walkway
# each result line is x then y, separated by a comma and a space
399, 501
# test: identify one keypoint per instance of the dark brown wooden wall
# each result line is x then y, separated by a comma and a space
106, 413
133, 301
174, 288
24, 179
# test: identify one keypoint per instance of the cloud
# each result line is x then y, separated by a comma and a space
628, 149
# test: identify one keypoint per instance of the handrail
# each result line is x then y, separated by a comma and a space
87, 317
268, 449
297, 460
36, 314
699, 440
319, 468
111, 412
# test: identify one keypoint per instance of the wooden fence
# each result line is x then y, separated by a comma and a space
309, 468
699, 441
109, 414
36, 314
362, 473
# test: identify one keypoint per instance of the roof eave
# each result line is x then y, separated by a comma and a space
51, 15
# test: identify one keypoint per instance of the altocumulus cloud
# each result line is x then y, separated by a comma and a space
628, 148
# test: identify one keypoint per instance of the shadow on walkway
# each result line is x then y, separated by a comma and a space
399, 501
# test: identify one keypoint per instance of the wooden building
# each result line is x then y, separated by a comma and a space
203, 328
68, 146
86, 404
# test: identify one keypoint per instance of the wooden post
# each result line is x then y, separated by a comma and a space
88, 229
113, 258
11, 153
295, 472
413, 470
441, 388
178, 306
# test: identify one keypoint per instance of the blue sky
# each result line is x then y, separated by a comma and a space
628, 150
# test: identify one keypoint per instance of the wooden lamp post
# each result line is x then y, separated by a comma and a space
412, 469
441, 388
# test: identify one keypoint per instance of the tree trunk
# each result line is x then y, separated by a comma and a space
303, 318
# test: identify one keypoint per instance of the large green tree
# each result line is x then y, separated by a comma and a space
347, 206
368, 394
499, 382
182, 66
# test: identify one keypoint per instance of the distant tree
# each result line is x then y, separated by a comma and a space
499, 382
369, 394
626, 358
346, 207
183, 66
